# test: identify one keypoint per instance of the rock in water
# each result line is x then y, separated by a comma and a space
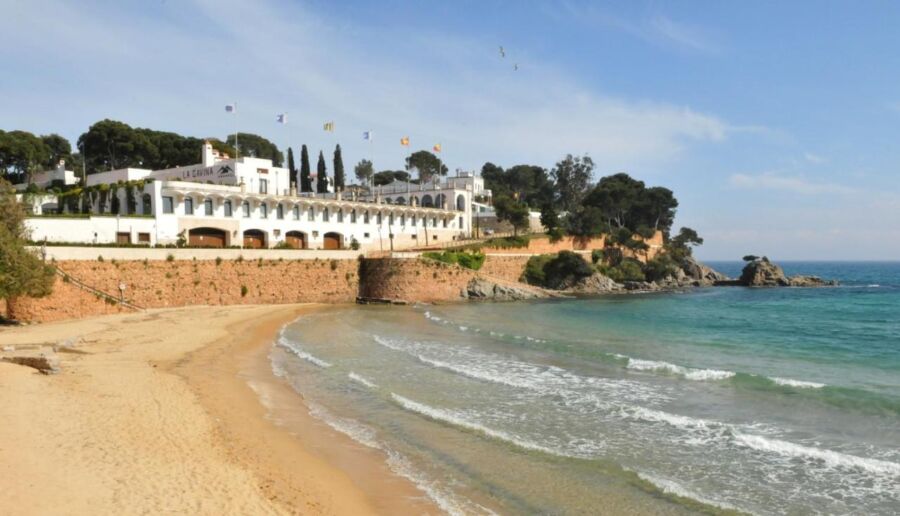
760, 272
700, 273
480, 288
595, 284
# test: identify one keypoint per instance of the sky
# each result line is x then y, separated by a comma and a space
776, 124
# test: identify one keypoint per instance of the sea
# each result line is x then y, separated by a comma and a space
714, 400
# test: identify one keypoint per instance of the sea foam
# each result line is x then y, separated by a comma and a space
290, 346
636, 364
797, 383
361, 380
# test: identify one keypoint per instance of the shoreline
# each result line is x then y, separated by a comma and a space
164, 411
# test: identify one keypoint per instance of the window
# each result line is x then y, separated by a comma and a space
460, 223
245, 207
279, 212
296, 212
325, 215
403, 219
391, 219
208, 207
188, 206
340, 215
445, 222
311, 214
226, 206
264, 211
144, 238
365, 217
263, 186
434, 222
378, 218
365, 235
168, 205
412, 221
353, 216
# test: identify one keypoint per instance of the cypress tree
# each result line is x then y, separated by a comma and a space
321, 177
305, 180
292, 170
338, 169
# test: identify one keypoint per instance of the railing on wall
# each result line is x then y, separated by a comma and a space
68, 278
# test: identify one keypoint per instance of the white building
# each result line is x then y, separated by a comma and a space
48, 178
248, 202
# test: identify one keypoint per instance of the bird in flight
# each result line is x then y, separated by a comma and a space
502, 52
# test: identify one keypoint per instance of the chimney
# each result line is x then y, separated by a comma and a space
209, 158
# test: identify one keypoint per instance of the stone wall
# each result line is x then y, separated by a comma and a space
157, 284
542, 245
505, 267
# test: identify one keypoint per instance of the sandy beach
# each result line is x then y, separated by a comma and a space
164, 411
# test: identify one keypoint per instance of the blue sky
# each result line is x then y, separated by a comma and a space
776, 123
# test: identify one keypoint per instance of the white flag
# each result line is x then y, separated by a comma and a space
281, 119
368, 135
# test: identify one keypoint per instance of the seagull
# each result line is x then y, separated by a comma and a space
502, 52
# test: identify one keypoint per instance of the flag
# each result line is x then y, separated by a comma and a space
230, 108
437, 147
368, 135
281, 119
329, 126
404, 141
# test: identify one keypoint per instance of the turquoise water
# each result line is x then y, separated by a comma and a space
768, 401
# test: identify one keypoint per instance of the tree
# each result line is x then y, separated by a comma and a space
110, 145
387, 176
585, 222
292, 170
681, 246
21, 272
258, 147
550, 220
338, 169
656, 208
514, 212
321, 175
21, 154
572, 178
427, 164
527, 183
59, 149
305, 179
364, 171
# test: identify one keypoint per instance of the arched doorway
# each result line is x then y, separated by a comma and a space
333, 241
254, 239
295, 239
400, 200
460, 202
207, 237
427, 201
439, 201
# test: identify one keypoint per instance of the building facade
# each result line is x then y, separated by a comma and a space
249, 203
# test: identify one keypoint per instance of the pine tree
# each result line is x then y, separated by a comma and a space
305, 180
292, 170
321, 175
338, 169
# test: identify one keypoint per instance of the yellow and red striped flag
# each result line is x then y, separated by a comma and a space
329, 126
404, 141
437, 147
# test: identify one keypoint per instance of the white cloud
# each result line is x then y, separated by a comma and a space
814, 158
276, 57
793, 184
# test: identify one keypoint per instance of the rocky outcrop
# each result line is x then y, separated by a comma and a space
698, 274
595, 284
760, 272
487, 290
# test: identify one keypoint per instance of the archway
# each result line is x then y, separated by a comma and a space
460, 202
207, 237
427, 201
295, 239
254, 239
333, 241
440, 200
400, 200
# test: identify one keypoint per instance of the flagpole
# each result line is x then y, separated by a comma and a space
237, 147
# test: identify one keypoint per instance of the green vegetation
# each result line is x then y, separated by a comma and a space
387, 176
244, 290
21, 272
427, 164
628, 269
557, 271
321, 175
512, 242
534, 269
468, 259
364, 171
338, 168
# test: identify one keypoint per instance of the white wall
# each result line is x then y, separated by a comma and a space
158, 253
100, 230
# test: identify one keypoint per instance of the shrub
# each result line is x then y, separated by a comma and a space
100, 258
566, 268
508, 242
597, 256
334, 265
354, 244
751, 258
244, 290
170, 257
218, 260
534, 269
628, 270
470, 260
240, 258
283, 245
659, 268
556, 234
